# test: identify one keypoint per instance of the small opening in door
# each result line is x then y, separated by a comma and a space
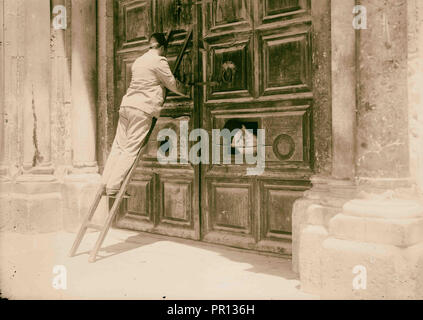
245, 138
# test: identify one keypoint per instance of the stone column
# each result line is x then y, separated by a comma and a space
36, 115
3, 168
84, 85
415, 89
81, 183
106, 89
375, 245
4, 176
312, 213
14, 67
382, 113
36, 201
11, 58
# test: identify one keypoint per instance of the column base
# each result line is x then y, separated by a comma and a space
373, 250
4, 174
35, 204
316, 208
78, 193
6, 223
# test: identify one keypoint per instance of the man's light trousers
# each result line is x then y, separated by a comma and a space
133, 127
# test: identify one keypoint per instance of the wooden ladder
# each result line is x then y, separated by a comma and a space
103, 229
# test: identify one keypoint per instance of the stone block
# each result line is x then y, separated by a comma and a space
6, 223
78, 194
381, 242
310, 250
38, 213
299, 220
305, 213
385, 271
397, 232
35, 204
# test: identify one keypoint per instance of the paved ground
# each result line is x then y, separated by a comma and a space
140, 266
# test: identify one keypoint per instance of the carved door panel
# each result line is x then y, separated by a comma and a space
257, 66
165, 198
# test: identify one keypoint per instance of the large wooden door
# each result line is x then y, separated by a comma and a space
257, 60
253, 59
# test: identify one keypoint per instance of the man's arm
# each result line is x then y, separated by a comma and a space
165, 75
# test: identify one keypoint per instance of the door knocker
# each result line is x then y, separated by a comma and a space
228, 72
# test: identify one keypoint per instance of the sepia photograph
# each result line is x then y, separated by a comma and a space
180, 151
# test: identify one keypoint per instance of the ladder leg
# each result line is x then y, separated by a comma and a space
119, 196
103, 233
87, 218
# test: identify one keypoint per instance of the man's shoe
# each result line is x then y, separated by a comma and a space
113, 194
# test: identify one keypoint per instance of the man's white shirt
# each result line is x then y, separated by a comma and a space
150, 75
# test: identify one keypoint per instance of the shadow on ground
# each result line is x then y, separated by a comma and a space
260, 262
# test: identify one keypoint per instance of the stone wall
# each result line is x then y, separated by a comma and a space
415, 89
48, 166
358, 233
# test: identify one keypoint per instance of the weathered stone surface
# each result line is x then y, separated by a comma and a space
36, 90
383, 235
343, 40
415, 89
391, 272
84, 84
309, 263
321, 87
299, 219
6, 216
382, 117
390, 249
397, 232
78, 192
36, 213
319, 205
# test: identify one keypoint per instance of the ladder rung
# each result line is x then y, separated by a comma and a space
95, 226
124, 197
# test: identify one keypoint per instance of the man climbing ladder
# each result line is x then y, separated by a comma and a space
140, 106
143, 101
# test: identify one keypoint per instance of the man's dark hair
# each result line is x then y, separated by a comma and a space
160, 38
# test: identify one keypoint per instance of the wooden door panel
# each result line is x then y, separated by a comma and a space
164, 123
138, 212
140, 203
230, 207
277, 201
175, 15
178, 214
288, 137
230, 68
285, 60
135, 23
270, 11
176, 205
226, 15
